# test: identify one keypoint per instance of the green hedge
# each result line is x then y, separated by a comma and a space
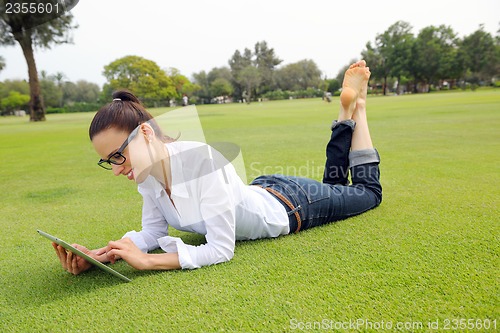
280, 94
76, 107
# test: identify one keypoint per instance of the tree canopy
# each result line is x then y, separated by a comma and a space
399, 61
299, 76
435, 56
31, 27
142, 76
253, 71
153, 85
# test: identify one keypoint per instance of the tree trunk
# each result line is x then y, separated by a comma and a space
37, 110
249, 92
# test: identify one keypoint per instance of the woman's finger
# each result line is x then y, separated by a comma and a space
119, 244
113, 255
69, 261
55, 246
74, 265
61, 254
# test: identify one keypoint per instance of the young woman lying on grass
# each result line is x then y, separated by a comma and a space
189, 186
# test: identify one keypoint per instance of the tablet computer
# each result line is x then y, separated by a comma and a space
83, 255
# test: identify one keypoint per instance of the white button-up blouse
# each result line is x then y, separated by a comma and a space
208, 198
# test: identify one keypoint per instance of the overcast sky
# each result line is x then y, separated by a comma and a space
196, 35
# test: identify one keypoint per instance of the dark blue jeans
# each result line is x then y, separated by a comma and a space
311, 203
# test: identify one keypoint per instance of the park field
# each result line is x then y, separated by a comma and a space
426, 260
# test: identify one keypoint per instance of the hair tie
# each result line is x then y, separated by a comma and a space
117, 99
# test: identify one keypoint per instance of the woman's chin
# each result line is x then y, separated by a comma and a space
140, 176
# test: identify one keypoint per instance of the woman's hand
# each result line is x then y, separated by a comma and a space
126, 249
121, 249
70, 261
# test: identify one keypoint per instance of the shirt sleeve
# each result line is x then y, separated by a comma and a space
154, 225
218, 213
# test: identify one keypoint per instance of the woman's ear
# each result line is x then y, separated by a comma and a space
147, 131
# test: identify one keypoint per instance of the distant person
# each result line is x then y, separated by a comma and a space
184, 100
189, 186
327, 96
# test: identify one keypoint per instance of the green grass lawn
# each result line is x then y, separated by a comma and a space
429, 253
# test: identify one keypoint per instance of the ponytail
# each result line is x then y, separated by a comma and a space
125, 96
124, 113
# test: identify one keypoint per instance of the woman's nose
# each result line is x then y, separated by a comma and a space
117, 169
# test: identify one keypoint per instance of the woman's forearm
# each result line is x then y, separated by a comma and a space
163, 261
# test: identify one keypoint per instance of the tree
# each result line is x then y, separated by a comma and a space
86, 92
263, 59
142, 76
266, 62
299, 76
381, 68
395, 47
496, 65
203, 94
51, 93
21, 86
58, 78
333, 85
208, 89
391, 53
249, 78
479, 54
69, 92
310, 74
434, 54
80, 92
14, 101
2, 63
237, 63
36, 30
219, 72
221, 87
181, 83
6, 88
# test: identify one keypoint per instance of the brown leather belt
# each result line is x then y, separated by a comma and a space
288, 203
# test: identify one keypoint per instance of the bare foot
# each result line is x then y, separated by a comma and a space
360, 63
361, 100
361, 138
354, 87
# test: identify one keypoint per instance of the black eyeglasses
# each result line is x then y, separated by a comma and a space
117, 158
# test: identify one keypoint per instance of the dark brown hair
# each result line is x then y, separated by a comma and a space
124, 113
